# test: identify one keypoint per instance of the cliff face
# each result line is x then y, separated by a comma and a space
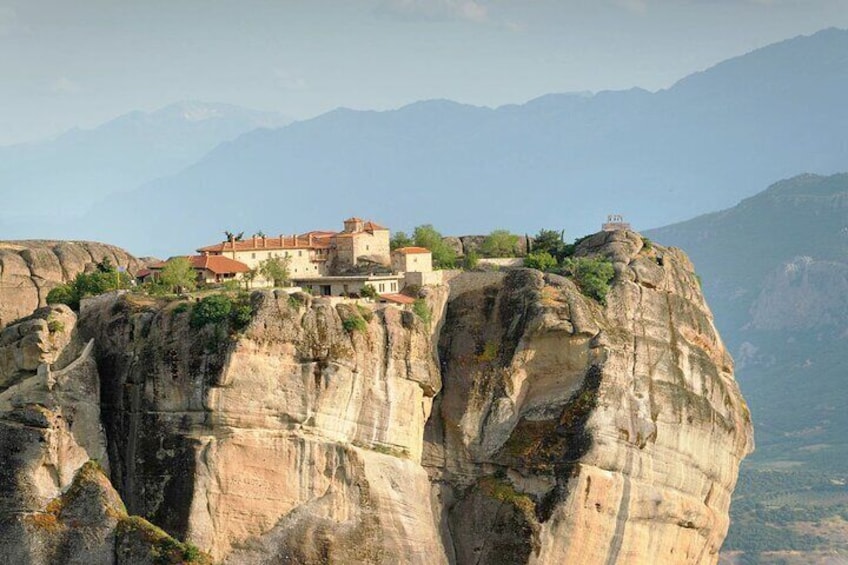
525, 424
30, 269
575, 433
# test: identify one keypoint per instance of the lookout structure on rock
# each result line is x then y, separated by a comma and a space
615, 222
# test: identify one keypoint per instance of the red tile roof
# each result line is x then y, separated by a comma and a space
319, 240
215, 263
411, 250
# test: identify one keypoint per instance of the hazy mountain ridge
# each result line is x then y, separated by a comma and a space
81, 166
560, 159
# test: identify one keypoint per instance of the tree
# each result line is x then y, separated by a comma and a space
250, 276
178, 275
499, 243
400, 239
275, 269
444, 257
541, 260
105, 279
550, 241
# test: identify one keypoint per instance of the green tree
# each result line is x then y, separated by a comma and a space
541, 260
552, 242
444, 257
105, 279
275, 269
250, 276
212, 309
499, 243
592, 275
400, 239
178, 275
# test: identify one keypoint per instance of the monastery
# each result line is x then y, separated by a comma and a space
324, 262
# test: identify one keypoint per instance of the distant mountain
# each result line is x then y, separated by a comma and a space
775, 272
557, 161
64, 175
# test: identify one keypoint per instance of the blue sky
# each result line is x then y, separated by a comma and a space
77, 63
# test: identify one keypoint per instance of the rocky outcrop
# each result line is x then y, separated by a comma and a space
297, 440
571, 432
524, 423
57, 504
30, 269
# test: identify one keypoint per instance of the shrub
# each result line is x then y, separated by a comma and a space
541, 260
369, 291
647, 244
178, 275
54, 326
470, 261
422, 310
499, 243
365, 312
211, 310
241, 314
400, 239
62, 294
276, 270
550, 241
592, 275
354, 324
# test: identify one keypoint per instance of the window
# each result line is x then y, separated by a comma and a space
300, 253
367, 248
269, 255
253, 255
394, 286
382, 287
287, 253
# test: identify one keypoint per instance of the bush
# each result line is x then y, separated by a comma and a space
211, 310
592, 275
470, 261
365, 312
354, 324
541, 260
54, 326
499, 243
369, 291
62, 294
422, 310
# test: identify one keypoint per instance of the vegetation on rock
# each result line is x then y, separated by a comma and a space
499, 243
444, 257
592, 275
105, 278
178, 275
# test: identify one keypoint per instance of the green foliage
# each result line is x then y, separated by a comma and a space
365, 312
275, 269
499, 243
470, 261
592, 275
369, 291
354, 324
444, 257
62, 294
551, 242
541, 260
221, 310
178, 275
400, 239
182, 307
89, 284
422, 310
212, 309
54, 326
647, 244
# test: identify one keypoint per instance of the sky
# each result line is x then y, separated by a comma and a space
78, 63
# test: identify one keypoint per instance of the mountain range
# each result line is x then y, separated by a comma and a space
61, 177
557, 161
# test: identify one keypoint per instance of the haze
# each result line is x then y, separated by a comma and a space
77, 64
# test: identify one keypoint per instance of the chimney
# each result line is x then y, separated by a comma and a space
310, 239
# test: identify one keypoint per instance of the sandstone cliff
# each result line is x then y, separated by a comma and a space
30, 269
525, 424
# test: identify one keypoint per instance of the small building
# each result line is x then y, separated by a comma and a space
350, 285
412, 260
397, 299
361, 242
615, 222
210, 269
